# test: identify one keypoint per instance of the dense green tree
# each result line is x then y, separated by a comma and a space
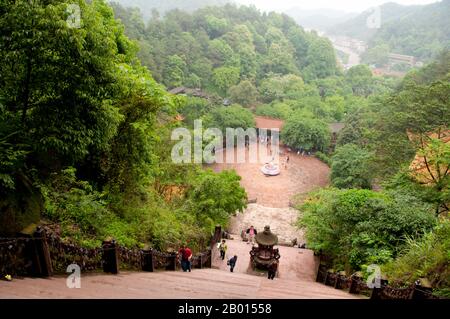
360, 79
195, 108
355, 130
234, 116
215, 27
280, 60
245, 93
215, 197
350, 167
334, 85
307, 133
321, 60
219, 52
406, 121
174, 71
276, 87
204, 69
62, 80
225, 77
276, 109
336, 107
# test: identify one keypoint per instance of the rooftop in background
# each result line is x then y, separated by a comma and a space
387, 72
189, 91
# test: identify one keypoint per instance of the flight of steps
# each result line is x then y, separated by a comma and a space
295, 263
199, 284
295, 280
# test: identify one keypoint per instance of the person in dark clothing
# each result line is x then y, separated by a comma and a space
273, 267
232, 262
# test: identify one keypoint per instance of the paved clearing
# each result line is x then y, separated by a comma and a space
274, 194
303, 174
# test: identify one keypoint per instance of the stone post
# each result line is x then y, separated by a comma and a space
41, 261
110, 257
148, 260
422, 289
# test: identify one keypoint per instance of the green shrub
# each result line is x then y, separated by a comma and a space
425, 257
350, 167
307, 133
359, 227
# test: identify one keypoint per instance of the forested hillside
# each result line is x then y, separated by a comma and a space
318, 19
218, 47
262, 62
85, 136
420, 31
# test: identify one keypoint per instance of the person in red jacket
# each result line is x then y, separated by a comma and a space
186, 256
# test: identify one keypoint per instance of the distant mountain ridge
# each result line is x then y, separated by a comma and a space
418, 30
162, 6
356, 27
318, 19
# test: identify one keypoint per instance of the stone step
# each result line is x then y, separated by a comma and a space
200, 283
295, 279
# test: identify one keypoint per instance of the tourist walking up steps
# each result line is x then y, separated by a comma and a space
273, 267
223, 249
251, 233
186, 256
232, 262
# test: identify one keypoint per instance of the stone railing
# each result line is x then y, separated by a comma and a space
356, 285
44, 253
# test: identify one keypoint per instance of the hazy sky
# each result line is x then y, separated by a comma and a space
342, 5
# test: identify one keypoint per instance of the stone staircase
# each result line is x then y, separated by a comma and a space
296, 277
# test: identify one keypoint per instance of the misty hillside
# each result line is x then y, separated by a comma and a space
357, 28
319, 19
421, 31
146, 6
